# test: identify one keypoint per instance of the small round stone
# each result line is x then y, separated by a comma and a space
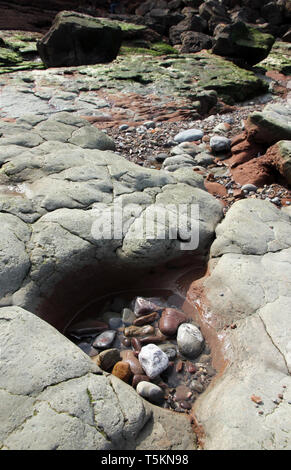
170, 321
127, 316
220, 144
129, 357
189, 135
150, 124
190, 340
123, 127
104, 340
107, 359
139, 378
150, 391
122, 371
249, 187
153, 360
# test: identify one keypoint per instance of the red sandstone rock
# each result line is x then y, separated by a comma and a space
215, 189
265, 169
243, 150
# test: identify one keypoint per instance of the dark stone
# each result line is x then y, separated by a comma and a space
212, 8
107, 359
129, 357
195, 42
190, 23
216, 20
76, 39
170, 321
143, 306
241, 41
272, 12
139, 378
89, 328
146, 319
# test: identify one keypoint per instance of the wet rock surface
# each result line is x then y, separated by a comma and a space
171, 373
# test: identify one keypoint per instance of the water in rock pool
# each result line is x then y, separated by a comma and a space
152, 343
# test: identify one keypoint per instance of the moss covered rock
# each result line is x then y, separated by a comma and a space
146, 48
18, 51
193, 76
279, 58
76, 39
241, 41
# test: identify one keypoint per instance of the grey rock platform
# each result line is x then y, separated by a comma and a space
249, 287
55, 196
58, 179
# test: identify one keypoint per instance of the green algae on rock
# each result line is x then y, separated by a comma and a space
18, 51
279, 58
186, 75
145, 48
242, 41
76, 39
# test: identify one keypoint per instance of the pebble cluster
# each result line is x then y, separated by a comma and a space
202, 145
151, 345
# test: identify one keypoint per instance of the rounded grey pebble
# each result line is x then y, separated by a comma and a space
189, 135
190, 340
219, 143
150, 124
151, 392
123, 127
249, 187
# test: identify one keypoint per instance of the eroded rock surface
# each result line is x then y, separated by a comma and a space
54, 397
249, 288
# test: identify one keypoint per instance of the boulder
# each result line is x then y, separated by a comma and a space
195, 42
241, 41
77, 39
71, 186
190, 23
270, 125
272, 13
264, 170
211, 8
